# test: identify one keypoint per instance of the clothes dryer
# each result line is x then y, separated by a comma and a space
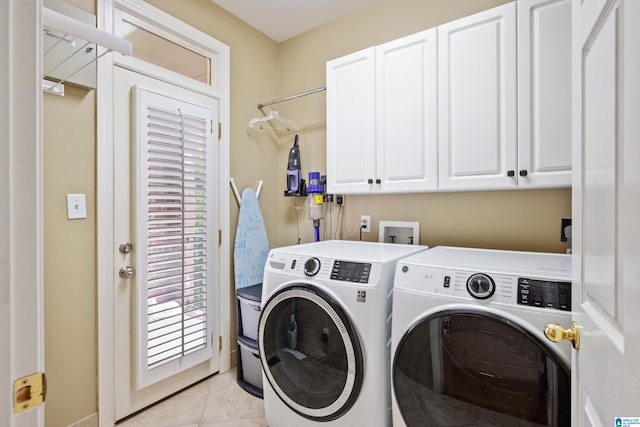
324, 333
468, 344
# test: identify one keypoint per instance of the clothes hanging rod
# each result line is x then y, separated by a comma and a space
57, 21
287, 98
60, 22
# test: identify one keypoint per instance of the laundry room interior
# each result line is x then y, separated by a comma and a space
277, 74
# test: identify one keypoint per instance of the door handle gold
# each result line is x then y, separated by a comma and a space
557, 333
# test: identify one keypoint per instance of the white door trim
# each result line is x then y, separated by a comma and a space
105, 175
21, 224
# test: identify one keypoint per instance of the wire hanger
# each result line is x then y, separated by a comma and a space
273, 120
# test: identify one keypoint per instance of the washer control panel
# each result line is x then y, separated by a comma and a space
540, 293
320, 268
347, 271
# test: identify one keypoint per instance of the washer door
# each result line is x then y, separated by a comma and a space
476, 368
310, 352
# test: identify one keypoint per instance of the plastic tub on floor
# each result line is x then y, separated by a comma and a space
250, 367
249, 310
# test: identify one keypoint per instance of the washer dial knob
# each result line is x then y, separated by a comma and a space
312, 266
481, 286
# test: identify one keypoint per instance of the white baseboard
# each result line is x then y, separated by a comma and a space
90, 421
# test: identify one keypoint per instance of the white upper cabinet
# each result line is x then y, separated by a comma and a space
382, 118
477, 109
544, 93
351, 128
480, 103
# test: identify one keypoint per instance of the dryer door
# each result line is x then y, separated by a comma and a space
310, 352
469, 367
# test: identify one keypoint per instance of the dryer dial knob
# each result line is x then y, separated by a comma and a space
312, 266
481, 286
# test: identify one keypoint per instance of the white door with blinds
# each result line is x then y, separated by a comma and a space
166, 235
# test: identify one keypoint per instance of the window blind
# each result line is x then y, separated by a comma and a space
175, 222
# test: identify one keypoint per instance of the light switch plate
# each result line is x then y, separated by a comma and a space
76, 206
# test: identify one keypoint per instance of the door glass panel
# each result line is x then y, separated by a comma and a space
460, 368
311, 354
157, 50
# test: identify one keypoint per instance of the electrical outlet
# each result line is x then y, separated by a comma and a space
365, 220
566, 222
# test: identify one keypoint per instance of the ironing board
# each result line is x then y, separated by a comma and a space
251, 244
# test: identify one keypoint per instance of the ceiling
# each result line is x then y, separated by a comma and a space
283, 19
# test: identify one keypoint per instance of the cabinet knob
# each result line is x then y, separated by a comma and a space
370, 181
378, 181
523, 172
511, 173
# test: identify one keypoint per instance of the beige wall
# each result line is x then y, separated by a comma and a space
261, 70
69, 257
523, 220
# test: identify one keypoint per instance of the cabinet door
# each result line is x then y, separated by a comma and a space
544, 93
406, 114
351, 102
477, 93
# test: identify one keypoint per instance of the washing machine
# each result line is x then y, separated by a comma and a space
468, 344
324, 333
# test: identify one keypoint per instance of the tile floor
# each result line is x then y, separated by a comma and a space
216, 402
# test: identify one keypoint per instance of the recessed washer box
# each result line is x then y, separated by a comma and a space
401, 232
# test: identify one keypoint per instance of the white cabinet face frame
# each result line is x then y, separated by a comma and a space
477, 108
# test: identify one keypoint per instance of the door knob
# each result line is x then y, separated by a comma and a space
127, 272
557, 333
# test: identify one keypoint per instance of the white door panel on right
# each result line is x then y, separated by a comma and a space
606, 201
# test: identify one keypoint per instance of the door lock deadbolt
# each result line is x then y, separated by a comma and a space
125, 248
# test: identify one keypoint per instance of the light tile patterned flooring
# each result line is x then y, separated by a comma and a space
216, 402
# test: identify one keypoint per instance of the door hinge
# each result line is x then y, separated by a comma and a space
29, 392
219, 343
219, 130
219, 237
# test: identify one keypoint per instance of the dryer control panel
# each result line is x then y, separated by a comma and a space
540, 293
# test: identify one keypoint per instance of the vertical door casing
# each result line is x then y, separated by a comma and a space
21, 236
351, 123
477, 100
406, 114
544, 93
